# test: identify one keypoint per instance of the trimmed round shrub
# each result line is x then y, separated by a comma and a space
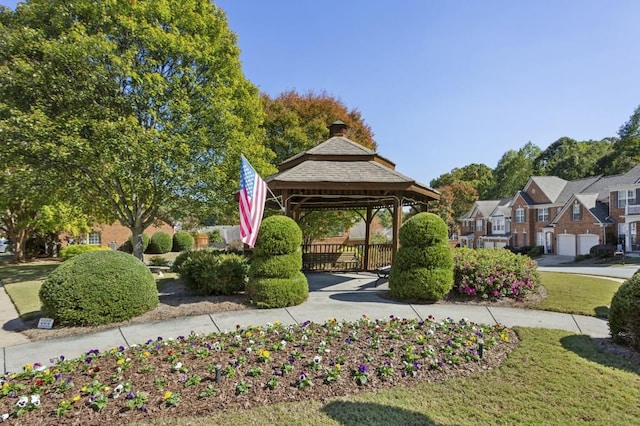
182, 241
270, 293
429, 257
492, 273
423, 230
211, 272
278, 235
423, 267
74, 250
160, 243
99, 287
278, 266
275, 278
624, 313
414, 279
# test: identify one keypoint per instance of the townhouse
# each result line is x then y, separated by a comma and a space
564, 217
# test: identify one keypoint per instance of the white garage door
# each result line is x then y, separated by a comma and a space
489, 244
566, 244
501, 244
586, 241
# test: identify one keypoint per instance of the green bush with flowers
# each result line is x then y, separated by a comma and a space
494, 273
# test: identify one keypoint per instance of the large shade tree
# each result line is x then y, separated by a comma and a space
514, 170
479, 176
626, 149
24, 194
570, 159
142, 104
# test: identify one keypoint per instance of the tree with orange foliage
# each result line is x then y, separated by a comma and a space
297, 122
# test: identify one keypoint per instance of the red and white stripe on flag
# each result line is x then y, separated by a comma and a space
253, 193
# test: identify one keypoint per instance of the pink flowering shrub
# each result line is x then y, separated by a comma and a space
494, 273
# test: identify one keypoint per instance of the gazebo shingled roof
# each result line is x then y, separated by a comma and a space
339, 174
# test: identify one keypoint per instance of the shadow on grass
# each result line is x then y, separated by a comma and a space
602, 312
594, 350
366, 413
16, 273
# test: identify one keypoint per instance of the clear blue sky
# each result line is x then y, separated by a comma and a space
447, 83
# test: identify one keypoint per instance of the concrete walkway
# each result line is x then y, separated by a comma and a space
340, 296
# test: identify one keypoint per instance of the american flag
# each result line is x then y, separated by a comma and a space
253, 193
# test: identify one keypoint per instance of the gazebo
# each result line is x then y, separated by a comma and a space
339, 174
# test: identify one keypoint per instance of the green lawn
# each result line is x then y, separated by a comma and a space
22, 283
577, 294
553, 377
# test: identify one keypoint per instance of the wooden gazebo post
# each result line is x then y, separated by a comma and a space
397, 222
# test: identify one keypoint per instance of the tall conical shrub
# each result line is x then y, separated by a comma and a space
423, 267
275, 280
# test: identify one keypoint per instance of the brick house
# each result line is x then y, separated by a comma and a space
487, 224
564, 217
116, 234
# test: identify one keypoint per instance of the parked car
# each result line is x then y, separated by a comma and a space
4, 245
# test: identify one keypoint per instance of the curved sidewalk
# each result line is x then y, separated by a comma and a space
340, 296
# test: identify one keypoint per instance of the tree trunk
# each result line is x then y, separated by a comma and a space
137, 241
19, 239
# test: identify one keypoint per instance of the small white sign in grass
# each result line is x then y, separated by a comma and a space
45, 323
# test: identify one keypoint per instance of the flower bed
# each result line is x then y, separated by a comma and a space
249, 366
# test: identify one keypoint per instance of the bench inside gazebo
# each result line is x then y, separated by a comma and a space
339, 174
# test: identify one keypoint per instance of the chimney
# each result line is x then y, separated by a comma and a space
337, 128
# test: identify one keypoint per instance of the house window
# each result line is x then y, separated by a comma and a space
479, 224
471, 225
543, 214
498, 225
520, 215
540, 239
577, 213
622, 234
480, 243
515, 240
93, 239
626, 198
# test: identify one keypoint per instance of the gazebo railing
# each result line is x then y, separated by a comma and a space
342, 257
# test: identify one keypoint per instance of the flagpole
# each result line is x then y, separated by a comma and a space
276, 198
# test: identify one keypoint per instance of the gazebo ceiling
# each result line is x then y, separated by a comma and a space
341, 174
